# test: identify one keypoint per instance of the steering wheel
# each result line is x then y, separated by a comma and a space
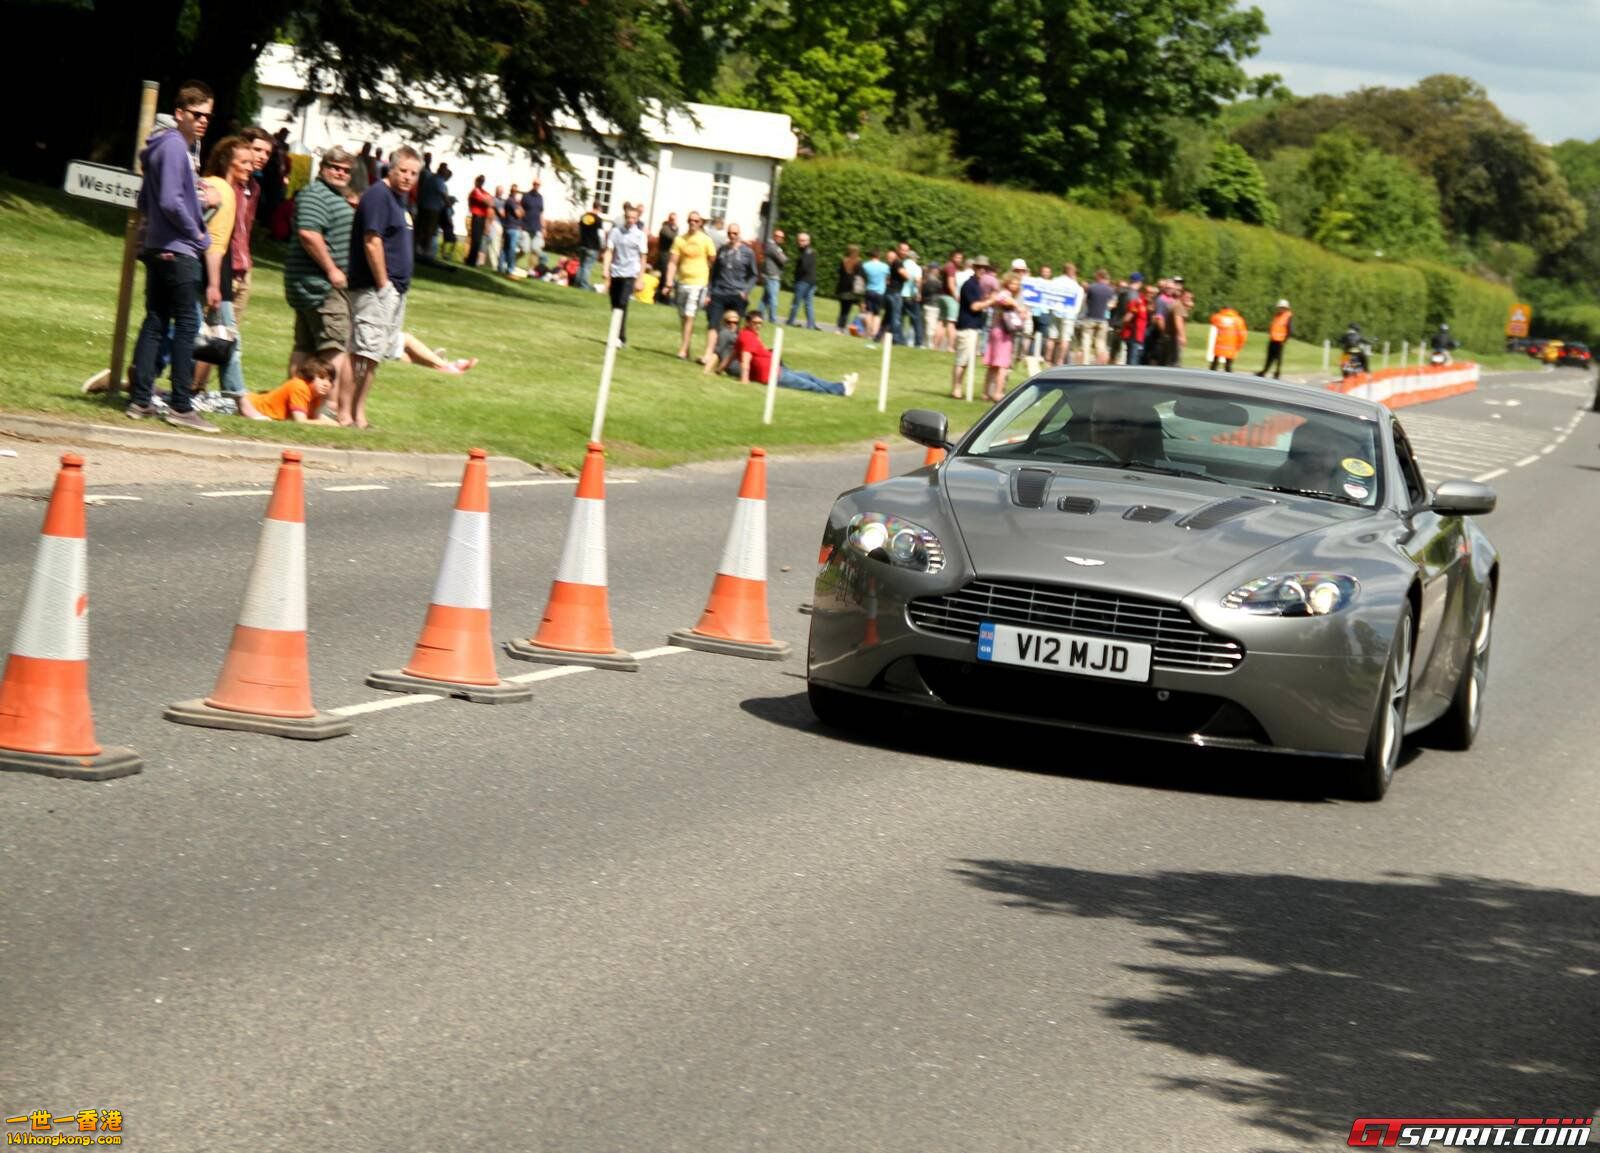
1096, 451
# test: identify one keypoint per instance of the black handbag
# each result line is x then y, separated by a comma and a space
215, 342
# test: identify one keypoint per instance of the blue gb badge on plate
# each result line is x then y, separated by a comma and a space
986, 641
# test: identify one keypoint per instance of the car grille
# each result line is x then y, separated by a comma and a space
1179, 644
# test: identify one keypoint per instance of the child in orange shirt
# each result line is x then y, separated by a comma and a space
294, 399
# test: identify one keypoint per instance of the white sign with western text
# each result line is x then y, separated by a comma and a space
103, 183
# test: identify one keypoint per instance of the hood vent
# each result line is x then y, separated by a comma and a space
1147, 514
1083, 505
1211, 515
1028, 486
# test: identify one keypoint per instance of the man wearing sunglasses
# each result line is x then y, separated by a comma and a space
174, 239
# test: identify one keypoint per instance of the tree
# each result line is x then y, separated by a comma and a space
823, 62
1056, 93
515, 65
1494, 180
1362, 201
1232, 188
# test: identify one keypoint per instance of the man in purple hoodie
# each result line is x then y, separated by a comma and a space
173, 242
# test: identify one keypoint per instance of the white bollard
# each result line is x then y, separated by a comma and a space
971, 368
1386, 354
883, 376
605, 377
772, 376
1211, 344
1326, 346
1405, 352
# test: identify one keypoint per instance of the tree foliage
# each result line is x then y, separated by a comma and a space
1231, 187
1050, 94
1493, 179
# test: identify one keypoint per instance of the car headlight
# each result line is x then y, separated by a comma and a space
895, 541
1304, 594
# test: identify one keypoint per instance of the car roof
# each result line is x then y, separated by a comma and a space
1271, 391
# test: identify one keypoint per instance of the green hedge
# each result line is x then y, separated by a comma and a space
843, 202
1222, 262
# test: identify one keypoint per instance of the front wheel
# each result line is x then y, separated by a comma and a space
1389, 725
1458, 728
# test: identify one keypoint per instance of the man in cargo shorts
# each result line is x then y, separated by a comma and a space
969, 322
315, 283
1095, 318
689, 269
381, 263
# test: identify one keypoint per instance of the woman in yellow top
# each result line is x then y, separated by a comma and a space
229, 163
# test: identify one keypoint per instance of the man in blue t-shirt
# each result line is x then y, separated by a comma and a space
875, 272
533, 223
971, 299
381, 256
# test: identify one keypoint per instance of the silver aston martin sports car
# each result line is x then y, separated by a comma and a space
1166, 554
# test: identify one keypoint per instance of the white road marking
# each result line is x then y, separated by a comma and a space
106, 497
398, 702
240, 492
1489, 475
550, 673
1527, 460
356, 488
1547, 450
531, 482
1562, 439
663, 651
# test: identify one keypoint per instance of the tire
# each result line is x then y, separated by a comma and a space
1376, 771
1458, 728
836, 709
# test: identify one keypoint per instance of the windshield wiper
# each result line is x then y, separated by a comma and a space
1147, 466
1342, 498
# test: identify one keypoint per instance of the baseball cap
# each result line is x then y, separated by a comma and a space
1177, 280
1282, 304
1019, 265
1135, 277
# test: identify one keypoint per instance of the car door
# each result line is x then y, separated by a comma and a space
1434, 545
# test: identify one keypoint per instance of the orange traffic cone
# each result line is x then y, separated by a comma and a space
878, 466
576, 627
454, 656
933, 456
869, 635
735, 620
265, 685
45, 723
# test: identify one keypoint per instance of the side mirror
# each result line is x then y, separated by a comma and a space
925, 426
1463, 498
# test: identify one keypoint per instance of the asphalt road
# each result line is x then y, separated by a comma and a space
667, 911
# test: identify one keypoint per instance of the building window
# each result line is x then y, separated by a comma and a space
721, 185
604, 181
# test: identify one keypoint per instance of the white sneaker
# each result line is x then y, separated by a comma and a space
849, 382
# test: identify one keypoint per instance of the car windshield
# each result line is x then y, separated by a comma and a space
1232, 438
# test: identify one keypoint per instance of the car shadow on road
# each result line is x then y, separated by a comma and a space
1018, 746
1315, 1001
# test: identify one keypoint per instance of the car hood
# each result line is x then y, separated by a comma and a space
1151, 534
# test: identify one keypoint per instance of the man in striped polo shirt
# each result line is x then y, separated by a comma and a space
314, 281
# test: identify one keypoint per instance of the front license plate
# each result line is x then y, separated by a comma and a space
1064, 652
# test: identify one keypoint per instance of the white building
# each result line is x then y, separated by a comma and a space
726, 165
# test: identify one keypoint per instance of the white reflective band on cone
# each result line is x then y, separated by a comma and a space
55, 617
276, 596
583, 556
745, 553
464, 576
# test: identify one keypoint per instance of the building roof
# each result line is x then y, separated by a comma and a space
713, 127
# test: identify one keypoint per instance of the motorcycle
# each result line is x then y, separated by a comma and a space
1355, 358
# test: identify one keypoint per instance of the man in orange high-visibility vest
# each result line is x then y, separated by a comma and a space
1278, 333
1231, 332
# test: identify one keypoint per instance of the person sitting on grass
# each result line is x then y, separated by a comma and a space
755, 361
725, 356
295, 399
409, 348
